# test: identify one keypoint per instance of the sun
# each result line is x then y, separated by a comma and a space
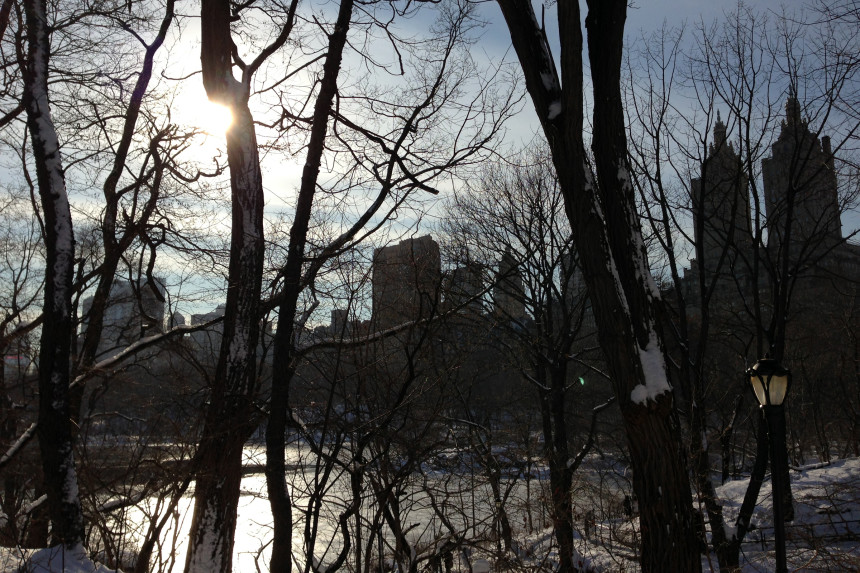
213, 118
195, 109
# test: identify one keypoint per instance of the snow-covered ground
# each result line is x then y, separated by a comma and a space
825, 535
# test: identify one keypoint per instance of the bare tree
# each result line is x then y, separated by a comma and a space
230, 415
607, 236
393, 148
20, 242
515, 217
136, 199
760, 211
55, 435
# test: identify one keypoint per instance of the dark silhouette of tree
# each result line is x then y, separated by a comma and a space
607, 235
760, 205
230, 415
398, 153
514, 218
54, 431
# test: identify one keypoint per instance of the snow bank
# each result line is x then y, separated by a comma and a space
61, 559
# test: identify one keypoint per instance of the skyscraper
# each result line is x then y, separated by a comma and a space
406, 281
133, 312
721, 199
800, 190
508, 293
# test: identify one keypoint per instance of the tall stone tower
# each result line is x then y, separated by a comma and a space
508, 294
465, 284
800, 189
406, 281
721, 198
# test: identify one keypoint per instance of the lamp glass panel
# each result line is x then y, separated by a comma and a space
777, 389
758, 387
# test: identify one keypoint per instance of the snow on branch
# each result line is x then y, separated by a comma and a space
19, 443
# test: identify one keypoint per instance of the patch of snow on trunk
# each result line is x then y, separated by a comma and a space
206, 549
654, 371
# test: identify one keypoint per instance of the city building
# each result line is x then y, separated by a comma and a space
508, 292
406, 282
800, 188
207, 341
465, 289
134, 310
722, 202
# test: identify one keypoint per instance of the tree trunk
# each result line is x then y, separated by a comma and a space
283, 367
660, 476
560, 475
729, 555
230, 419
54, 429
707, 493
608, 239
230, 416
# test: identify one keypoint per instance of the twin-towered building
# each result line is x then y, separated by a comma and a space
798, 205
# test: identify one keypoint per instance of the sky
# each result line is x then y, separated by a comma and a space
281, 177
643, 19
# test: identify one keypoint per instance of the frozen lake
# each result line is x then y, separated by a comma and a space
466, 502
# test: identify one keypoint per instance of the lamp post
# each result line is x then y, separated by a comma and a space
770, 382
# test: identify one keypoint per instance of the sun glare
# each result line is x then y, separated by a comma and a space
213, 118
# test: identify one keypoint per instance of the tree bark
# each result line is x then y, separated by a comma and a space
230, 416
54, 429
560, 474
608, 239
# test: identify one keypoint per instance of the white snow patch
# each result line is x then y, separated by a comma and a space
642, 265
589, 180
67, 560
205, 555
30, 507
623, 176
610, 261
731, 531
70, 485
654, 371
548, 80
554, 110
19, 443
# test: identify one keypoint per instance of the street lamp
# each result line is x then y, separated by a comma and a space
770, 382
